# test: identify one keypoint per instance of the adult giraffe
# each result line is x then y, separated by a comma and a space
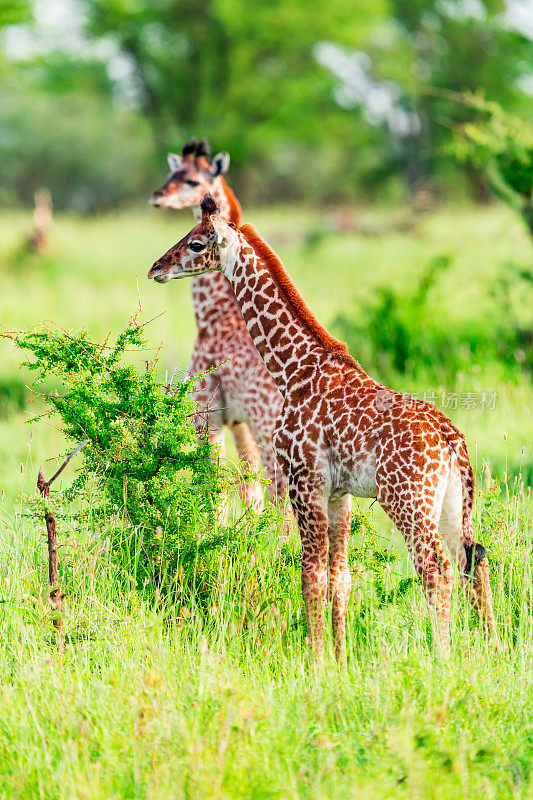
237, 390
341, 433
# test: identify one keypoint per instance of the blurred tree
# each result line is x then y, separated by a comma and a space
242, 73
250, 76
501, 146
57, 73
89, 154
419, 48
14, 11
457, 45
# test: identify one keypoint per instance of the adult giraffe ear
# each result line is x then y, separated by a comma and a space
219, 165
174, 162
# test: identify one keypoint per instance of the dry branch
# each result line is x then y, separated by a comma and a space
51, 529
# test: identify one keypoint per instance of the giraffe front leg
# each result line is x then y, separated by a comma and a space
340, 581
209, 421
248, 452
218, 444
310, 510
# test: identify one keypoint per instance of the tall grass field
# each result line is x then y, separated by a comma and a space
206, 692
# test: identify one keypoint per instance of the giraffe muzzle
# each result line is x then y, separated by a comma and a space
161, 199
158, 273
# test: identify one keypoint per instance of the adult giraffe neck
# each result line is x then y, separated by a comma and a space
230, 208
212, 296
234, 212
286, 334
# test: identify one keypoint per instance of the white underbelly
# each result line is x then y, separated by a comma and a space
363, 484
359, 480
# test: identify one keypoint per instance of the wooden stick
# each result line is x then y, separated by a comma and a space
51, 528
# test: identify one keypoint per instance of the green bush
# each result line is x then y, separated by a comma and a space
399, 333
145, 475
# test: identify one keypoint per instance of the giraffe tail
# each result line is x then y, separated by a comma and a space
473, 563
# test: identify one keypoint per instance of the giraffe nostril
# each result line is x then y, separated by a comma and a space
154, 269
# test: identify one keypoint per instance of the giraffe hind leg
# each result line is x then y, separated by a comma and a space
417, 522
435, 572
437, 577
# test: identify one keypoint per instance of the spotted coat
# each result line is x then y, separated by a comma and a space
341, 433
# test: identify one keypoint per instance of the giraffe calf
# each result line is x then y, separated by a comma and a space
340, 433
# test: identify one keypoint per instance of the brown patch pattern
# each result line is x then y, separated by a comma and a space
293, 298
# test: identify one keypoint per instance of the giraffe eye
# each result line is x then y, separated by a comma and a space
193, 183
196, 246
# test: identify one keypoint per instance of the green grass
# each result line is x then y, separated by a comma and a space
212, 696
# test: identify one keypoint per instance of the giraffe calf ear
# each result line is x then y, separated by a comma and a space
174, 162
219, 165
220, 228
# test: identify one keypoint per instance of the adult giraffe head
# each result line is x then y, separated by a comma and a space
191, 177
203, 249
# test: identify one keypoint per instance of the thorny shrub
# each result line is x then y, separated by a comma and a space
144, 469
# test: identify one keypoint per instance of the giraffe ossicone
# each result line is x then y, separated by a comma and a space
335, 437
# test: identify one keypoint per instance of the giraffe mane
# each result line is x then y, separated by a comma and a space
294, 299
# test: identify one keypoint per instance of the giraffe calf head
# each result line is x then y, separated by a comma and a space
202, 250
191, 176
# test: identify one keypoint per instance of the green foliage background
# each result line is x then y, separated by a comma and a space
502, 146
205, 691
90, 114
